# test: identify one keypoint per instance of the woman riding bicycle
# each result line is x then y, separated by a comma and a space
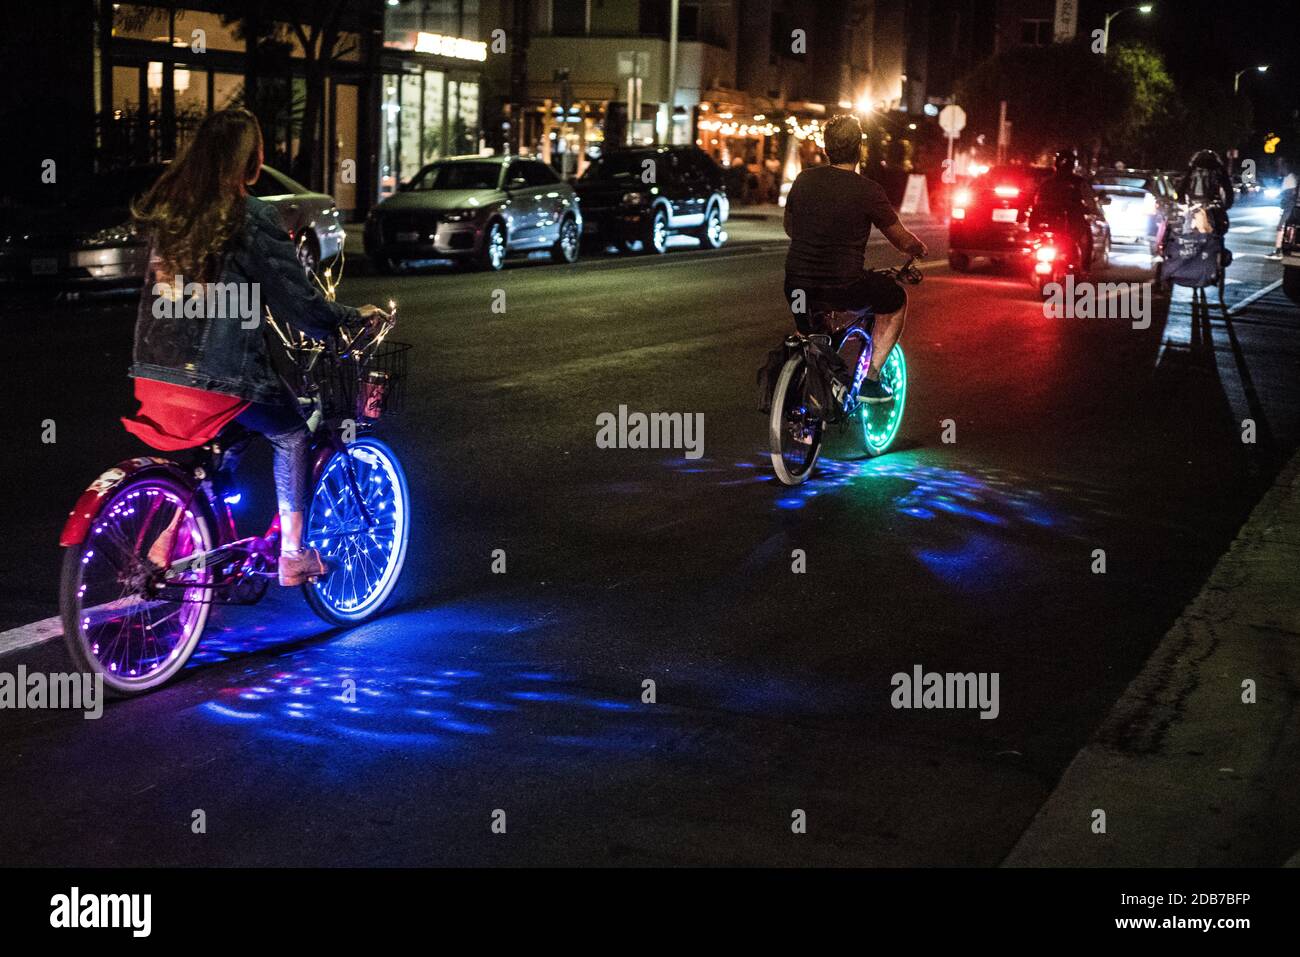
200, 364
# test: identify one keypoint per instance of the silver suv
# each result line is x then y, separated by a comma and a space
476, 209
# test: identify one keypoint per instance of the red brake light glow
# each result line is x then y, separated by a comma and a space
1045, 254
1007, 192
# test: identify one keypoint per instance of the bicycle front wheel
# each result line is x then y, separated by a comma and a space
881, 421
794, 431
360, 522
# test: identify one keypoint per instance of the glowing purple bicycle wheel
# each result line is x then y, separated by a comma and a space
124, 616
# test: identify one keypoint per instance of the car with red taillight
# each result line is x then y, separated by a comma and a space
988, 218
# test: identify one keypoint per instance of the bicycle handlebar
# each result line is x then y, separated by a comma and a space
906, 273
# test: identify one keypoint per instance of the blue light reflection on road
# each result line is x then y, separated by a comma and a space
381, 685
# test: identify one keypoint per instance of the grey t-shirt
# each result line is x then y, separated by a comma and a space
829, 213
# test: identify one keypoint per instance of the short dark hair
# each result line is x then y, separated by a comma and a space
842, 135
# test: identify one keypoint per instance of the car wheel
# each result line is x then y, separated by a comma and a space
713, 235
656, 237
567, 243
493, 254
1291, 282
959, 262
308, 253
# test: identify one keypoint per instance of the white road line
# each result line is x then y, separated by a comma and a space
27, 636
1257, 294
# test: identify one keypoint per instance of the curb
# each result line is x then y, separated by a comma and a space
1186, 773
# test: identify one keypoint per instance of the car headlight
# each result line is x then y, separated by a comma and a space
634, 199
458, 216
118, 235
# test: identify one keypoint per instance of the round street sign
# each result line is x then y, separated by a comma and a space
952, 120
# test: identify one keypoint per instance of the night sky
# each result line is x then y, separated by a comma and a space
1202, 38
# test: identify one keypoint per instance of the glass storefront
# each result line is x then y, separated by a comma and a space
428, 114
162, 68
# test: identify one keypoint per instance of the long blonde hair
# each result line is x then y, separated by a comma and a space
195, 210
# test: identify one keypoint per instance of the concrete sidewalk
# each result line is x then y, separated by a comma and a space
1185, 771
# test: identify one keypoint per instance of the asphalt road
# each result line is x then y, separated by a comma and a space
523, 691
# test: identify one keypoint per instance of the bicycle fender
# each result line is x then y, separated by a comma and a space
88, 505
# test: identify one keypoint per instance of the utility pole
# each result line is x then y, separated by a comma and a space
672, 71
518, 75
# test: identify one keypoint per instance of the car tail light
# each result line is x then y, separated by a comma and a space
1007, 192
959, 213
1042, 269
1045, 254
961, 198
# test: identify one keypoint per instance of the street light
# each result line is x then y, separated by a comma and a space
1105, 35
1236, 79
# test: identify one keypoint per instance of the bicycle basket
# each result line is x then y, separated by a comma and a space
365, 389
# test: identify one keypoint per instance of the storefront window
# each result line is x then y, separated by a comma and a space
431, 135
227, 90
389, 130
411, 126
462, 111
426, 116
126, 90
138, 21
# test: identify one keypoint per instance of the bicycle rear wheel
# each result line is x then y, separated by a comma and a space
366, 555
794, 432
119, 619
880, 422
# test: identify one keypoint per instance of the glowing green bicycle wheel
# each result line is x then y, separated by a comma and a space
880, 422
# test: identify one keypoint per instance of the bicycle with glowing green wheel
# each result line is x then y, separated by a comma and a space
797, 422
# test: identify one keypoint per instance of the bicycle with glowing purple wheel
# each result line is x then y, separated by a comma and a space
800, 411
137, 619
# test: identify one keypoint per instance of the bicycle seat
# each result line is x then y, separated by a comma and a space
827, 319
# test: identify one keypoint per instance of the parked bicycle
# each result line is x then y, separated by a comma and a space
798, 420
137, 622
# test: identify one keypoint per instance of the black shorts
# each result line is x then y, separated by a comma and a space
870, 290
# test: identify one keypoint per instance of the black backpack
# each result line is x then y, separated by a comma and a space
1201, 187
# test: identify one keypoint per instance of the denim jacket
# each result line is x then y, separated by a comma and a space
222, 349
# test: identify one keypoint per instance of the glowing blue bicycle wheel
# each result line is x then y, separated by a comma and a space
365, 547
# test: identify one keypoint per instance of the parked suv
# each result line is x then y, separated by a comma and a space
476, 209
638, 198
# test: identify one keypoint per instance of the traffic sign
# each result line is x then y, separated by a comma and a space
952, 120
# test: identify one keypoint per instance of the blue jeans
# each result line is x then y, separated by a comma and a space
285, 429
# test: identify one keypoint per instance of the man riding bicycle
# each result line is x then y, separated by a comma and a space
828, 216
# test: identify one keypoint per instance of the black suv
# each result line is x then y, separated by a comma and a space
638, 198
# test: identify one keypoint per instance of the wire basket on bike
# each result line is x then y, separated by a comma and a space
366, 387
